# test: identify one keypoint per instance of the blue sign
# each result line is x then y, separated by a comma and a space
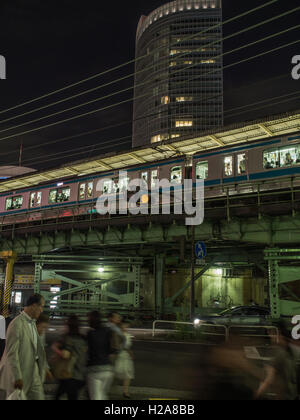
200, 250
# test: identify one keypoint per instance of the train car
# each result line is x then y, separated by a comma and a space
273, 164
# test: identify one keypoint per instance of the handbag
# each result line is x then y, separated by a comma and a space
17, 395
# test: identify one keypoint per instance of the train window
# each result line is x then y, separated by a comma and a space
289, 155
242, 164
32, 200
14, 203
154, 178
145, 177
123, 184
202, 170
39, 199
271, 159
82, 192
107, 186
228, 166
60, 195
90, 188
176, 175
35, 199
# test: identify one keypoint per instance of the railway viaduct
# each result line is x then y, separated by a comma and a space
145, 265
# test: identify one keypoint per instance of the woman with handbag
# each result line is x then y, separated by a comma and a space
69, 366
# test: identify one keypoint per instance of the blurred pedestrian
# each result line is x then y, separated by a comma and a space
24, 363
102, 350
42, 326
124, 367
114, 323
70, 365
281, 371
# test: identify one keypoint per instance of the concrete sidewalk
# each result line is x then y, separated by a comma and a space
137, 393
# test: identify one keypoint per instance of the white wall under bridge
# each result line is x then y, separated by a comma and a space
268, 231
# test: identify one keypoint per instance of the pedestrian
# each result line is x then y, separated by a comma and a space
281, 371
101, 354
114, 323
42, 325
71, 353
124, 367
24, 363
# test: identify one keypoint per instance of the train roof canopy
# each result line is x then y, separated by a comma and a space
232, 135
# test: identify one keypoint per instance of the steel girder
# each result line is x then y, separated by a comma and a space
268, 231
284, 268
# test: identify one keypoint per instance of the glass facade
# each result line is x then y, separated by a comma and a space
178, 74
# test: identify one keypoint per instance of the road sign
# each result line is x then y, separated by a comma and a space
200, 250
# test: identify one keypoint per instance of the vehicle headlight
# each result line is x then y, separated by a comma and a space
197, 321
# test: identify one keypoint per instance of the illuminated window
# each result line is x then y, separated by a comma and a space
208, 61
175, 136
39, 199
35, 199
60, 195
155, 139
173, 63
154, 178
82, 192
18, 298
107, 186
14, 203
145, 177
202, 170
228, 166
90, 187
184, 123
32, 200
123, 184
242, 164
283, 157
188, 62
184, 99
176, 175
165, 100
271, 159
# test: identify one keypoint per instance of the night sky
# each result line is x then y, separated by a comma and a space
51, 43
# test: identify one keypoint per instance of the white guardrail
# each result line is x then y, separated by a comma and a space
227, 329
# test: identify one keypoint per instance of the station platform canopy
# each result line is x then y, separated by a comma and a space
14, 171
226, 136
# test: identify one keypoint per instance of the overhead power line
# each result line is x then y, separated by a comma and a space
147, 69
134, 60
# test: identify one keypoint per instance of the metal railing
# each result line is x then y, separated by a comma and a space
256, 327
227, 329
191, 323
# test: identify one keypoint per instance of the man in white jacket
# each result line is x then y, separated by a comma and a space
24, 361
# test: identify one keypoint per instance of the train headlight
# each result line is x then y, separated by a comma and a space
197, 322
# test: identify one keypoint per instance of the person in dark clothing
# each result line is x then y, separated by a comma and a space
102, 348
73, 347
281, 371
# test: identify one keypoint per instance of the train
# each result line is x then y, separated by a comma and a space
271, 162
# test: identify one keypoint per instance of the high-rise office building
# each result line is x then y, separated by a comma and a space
179, 72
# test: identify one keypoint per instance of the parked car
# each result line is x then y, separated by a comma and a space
240, 315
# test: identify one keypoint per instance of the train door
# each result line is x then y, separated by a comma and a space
35, 200
86, 190
242, 164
